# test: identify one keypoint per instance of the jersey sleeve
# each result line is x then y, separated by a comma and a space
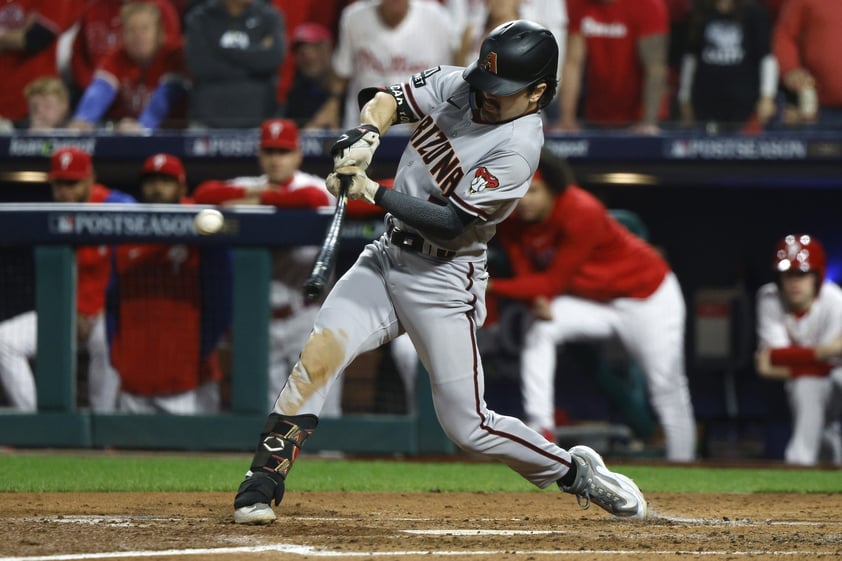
832, 295
426, 90
214, 192
305, 197
501, 178
575, 9
57, 16
111, 67
584, 226
651, 18
342, 61
771, 331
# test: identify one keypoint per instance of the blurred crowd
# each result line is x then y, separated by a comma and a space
134, 66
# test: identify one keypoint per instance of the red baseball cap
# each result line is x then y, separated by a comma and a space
279, 133
164, 164
70, 164
310, 32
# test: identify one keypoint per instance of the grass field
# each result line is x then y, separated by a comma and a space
45, 472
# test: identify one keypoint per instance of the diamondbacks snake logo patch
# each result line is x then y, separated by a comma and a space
483, 179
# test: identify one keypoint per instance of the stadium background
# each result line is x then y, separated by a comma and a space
715, 205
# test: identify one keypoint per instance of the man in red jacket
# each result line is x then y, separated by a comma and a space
806, 42
587, 277
168, 308
73, 181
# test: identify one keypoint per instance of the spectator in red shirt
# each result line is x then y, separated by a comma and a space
168, 308
29, 30
73, 181
807, 41
617, 56
586, 277
140, 83
101, 30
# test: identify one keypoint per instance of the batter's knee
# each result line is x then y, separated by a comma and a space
467, 436
323, 354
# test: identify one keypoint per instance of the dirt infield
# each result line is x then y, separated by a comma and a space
414, 526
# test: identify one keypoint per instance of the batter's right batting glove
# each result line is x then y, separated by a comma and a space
355, 147
359, 185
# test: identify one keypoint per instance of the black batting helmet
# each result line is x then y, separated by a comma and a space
514, 56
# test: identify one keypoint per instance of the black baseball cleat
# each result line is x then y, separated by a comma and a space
254, 497
611, 491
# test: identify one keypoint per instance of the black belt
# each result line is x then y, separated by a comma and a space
415, 242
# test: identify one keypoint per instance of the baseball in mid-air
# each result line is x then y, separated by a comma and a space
208, 221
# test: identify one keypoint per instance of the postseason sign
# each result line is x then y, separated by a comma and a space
106, 223
73, 224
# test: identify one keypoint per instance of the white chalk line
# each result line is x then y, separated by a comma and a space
129, 521
309, 551
743, 521
304, 550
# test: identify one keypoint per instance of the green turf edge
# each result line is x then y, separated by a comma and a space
67, 473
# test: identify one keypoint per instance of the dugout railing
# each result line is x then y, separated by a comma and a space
54, 229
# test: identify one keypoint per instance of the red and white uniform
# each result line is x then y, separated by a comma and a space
20, 68
100, 31
815, 388
156, 346
552, 14
135, 84
603, 282
19, 335
614, 74
292, 315
369, 53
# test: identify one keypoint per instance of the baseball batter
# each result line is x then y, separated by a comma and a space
469, 160
799, 318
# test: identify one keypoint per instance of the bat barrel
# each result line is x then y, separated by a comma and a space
316, 283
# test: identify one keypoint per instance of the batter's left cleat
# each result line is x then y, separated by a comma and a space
254, 498
611, 491
258, 513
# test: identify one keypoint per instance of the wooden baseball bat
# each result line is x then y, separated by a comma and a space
325, 261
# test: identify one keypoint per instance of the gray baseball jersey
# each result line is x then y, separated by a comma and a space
483, 169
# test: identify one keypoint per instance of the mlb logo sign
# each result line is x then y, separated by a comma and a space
63, 224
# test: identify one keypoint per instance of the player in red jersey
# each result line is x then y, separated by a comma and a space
29, 30
72, 178
140, 83
168, 308
619, 49
587, 277
101, 30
